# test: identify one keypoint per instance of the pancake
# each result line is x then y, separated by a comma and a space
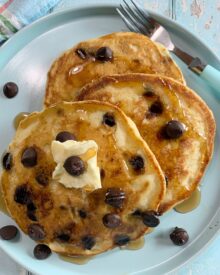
175, 122
71, 220
128, 52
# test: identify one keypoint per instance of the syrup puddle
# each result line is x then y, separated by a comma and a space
189, 204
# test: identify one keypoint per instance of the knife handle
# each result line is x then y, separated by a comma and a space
212, 76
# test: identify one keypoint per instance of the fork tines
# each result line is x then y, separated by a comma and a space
136, 18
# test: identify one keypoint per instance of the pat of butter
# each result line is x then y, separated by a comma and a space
87, 151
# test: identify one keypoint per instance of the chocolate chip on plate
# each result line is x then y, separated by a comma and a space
74, 165
29, 157
115, 197
179, 236
137, 163
81, 53
10, 89
7, 161
156, 108
22, 194
149, 219
111, 220
121, 240
88, 242
173, 129
64, 136
8, 232
109, 119
41, 251
36, 232
104, 54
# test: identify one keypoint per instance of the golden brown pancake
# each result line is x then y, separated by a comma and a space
130, 52
175, 122
71, 220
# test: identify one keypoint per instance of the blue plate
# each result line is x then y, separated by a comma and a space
25, 59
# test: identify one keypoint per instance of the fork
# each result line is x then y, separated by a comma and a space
138, 20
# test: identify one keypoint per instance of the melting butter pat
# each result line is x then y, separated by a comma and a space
87, 151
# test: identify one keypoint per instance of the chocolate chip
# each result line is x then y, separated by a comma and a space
102, 173
156, 108
115, 197
81, 53
10, 89
166, 179
82, 213
173, 129
64, 136
63, 237
7, 161
148, 93
74, 166
8, 232
109, 119
41, 251
88, 242
42, 179
149, 219
111, 220
137, 213
36, 232
121, 240
31, 211
29, 157
137, 163
104, 54
179, 236
22, 195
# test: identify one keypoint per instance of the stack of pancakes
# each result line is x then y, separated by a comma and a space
155, 139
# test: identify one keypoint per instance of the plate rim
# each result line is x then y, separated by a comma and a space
111, 6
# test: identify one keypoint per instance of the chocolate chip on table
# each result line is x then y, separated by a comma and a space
156, 108
111, 220
121, 240
88, 242
179, 236
104, 54
64, 136
109, 119
74, 165
63, 237
10, 89
173, 129
82, 213
81, 53
29, 157
7, 161
115, 197
149, 219
8, 232
22, 194
41, 251
137, 163
36, 232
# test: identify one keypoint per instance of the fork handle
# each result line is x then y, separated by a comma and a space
212, 76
